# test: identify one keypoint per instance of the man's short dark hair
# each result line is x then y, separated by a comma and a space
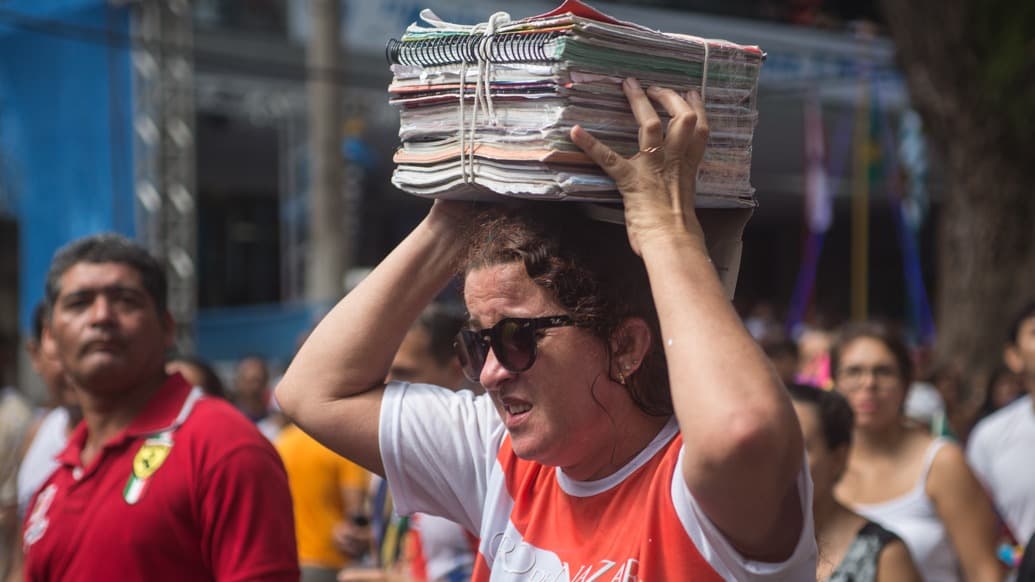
254, 356
836, 418
441, 322
1014, 331
108, 248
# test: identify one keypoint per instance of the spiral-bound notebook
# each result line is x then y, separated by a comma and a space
486, 110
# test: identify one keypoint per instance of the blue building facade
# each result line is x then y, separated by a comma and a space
65, 128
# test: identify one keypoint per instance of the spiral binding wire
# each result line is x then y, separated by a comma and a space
465, 48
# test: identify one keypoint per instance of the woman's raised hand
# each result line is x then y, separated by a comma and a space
658, 184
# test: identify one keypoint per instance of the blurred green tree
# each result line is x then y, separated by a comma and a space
970, 68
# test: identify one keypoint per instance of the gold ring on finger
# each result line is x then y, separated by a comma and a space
652, 149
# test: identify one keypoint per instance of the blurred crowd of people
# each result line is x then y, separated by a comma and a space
632, 427
909, 447
932, 487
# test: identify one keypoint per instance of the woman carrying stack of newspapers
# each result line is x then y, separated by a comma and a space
631, 428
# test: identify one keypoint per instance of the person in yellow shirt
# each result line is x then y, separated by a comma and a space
326, 490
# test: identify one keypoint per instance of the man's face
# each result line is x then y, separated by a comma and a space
826, 465
106, 329
44, 357
414, 363
252, 378
1020, 356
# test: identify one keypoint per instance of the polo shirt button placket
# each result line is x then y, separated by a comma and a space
77, 473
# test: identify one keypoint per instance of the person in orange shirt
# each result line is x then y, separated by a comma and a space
326, 491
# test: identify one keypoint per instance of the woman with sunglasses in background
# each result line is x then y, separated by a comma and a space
898, 475
632, 429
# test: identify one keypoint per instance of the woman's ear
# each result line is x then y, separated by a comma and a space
629, 345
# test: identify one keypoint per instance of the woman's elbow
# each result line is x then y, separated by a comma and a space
766, 439
284, 397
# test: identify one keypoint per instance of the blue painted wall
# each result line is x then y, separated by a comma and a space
272, 331
66, 132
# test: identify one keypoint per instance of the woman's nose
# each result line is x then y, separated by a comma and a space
493, 373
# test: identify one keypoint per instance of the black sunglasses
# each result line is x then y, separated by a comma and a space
513, 340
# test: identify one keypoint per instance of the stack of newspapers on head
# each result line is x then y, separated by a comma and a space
487, 110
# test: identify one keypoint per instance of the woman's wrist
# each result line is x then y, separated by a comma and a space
450, 217
671, 238
445, 231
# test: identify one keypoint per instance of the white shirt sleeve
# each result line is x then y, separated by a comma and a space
977, 451
725, 559
438, 447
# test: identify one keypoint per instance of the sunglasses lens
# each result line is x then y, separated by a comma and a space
516, 349
471, 350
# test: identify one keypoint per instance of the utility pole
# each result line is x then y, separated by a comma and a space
329, 240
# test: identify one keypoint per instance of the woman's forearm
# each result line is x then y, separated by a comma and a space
351, 349
742, 443
717, 370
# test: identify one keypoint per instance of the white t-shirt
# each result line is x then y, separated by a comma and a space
39, 462
15, 419
1001, 451
443, 544
448, 454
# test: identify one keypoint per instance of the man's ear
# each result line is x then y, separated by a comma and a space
33, 347
629, 345
47, 346
1012, 358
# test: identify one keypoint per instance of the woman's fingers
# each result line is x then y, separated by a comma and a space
613, 164
681, 123
688, 128
700, 139
686, 136
672, 154
652, 134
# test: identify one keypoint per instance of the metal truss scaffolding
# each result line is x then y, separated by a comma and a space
164, 177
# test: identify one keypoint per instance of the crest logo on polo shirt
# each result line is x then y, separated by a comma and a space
149, 458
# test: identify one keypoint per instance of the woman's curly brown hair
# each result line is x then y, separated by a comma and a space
591, 270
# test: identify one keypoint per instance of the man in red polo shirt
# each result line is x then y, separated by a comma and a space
159, 482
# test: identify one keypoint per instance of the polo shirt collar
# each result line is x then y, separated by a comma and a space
167, 409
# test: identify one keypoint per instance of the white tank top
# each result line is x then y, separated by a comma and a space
913, 518
39, 462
